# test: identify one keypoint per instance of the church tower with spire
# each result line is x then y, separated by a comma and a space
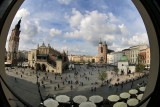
102, 52
13, 44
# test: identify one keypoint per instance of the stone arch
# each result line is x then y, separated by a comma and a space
43, 67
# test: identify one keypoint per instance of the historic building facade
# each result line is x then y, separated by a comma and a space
83, 59
132, 54
148, 58
100, 58
102, 52
13, 45
48, 59
114, 57
134, 51
124, 67
145, 57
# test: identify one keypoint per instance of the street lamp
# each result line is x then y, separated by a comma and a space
38, 84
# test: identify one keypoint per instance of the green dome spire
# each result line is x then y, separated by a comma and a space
59, 57
124, 58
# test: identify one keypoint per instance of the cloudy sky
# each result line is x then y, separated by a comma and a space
77, 25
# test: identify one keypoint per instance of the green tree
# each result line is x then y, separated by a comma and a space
102, 76
116, 70
140, 66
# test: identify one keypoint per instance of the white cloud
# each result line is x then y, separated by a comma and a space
93, 25
66, 2
22, 13
55, 32
123, 29
76, 18
138, 38
84, 30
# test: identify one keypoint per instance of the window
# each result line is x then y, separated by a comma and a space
101, 49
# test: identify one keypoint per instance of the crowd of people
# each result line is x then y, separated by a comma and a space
82, 78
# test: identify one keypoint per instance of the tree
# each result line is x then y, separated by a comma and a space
116, 70
102, 76
140, 66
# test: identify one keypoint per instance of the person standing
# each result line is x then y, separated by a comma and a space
71, 87
55, 88
15, 79
117, 90
58, 86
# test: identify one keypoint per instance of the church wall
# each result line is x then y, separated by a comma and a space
122, 66
59, 66
132, 69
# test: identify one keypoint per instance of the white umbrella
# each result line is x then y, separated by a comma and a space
132, 102
120, 104
96, 99
51, 103
125, 95
87, 104
113, 98
133, 91
142, 89
79, 99
139, 97
62, 98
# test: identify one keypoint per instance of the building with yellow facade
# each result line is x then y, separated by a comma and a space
48, 59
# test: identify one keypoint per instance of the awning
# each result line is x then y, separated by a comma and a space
142, 89
120, 104
51, 103
139, 97
133, 91
125, 95
132, 102
113, 98
96, 99
87, 104
62, 98
79, 99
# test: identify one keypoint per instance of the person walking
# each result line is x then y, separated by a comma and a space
55, 88
117, 90
71, 87
95, 88
92, 89
50, 81
15, 79
58, 86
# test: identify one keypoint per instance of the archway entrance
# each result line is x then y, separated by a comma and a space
43, 67
38, 67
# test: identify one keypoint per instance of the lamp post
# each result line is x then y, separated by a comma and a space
38, 84
33, 62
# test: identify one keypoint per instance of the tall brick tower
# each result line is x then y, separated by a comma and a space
102, 52
14, 44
